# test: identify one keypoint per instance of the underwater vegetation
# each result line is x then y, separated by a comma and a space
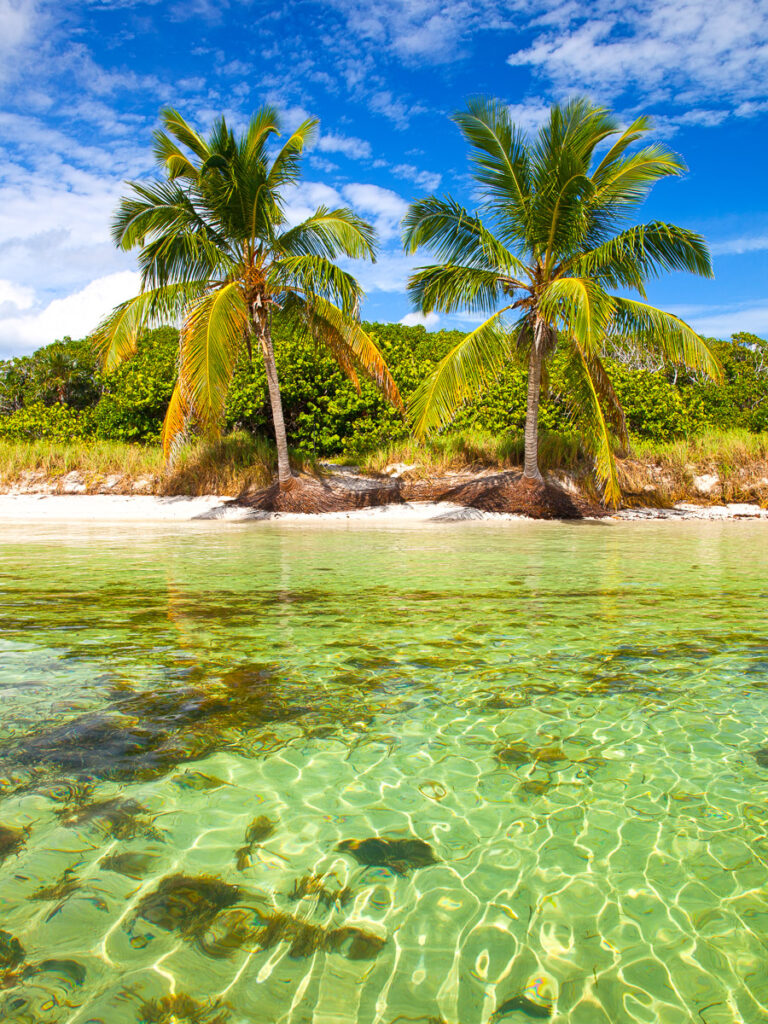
305, 938
132, 864
182, 1009
14, 970
145, 734
116, 817
203, 909
524, 1005
67, 883
761, 756
188, 904
523, 753
399, 855
261, 828
12, 841
314, 886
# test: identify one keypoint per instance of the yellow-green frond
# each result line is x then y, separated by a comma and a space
344, 335
664, 333
580, 307
592, 402
467, 369
211, 338
175, 423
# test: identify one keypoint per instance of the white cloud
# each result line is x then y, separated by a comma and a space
737, 246
14, 297
76, 315
753, 319
428, 320
387, 207
424, 179
397, 110
674, 50
347, 145
530, 115
19, 20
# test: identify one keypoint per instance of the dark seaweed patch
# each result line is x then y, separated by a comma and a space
261, 828
524, 1005
520, 752
132, 864
117, 818
315, 886
12, 841
67, 883
761, 756
187, 904
400, 855
182, 1009
11, 952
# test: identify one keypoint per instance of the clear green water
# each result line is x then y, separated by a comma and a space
569, 717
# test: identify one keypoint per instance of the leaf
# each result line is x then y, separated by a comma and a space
460, 375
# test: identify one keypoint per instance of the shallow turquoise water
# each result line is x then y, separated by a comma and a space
571, 720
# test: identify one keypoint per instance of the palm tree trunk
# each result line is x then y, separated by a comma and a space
285, 475
531, 469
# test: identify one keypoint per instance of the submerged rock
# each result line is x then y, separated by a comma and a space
761, 756
400, 855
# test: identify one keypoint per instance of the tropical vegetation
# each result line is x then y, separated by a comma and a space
215, 252
544, 256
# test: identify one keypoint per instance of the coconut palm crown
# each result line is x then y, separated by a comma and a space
216, 253
551, 242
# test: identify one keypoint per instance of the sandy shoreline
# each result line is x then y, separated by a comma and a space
20, 509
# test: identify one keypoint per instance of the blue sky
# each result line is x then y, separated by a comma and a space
81, 84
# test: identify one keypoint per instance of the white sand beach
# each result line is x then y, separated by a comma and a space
21, 509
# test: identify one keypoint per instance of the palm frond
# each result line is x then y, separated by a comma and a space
643, 252
665, 333
580, 307
592, 403
350, 344
455, 236
177, 416
468, 368
448, 288
316, 277
211, 338
170, 157
501, 160
330, 233
285, 167
116, 337
175, 124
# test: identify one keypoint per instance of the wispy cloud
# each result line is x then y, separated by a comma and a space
737, 246
347, 145
675, 50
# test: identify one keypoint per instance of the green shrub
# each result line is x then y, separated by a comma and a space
57, 393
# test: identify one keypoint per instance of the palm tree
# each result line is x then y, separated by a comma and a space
550, 242
216, 253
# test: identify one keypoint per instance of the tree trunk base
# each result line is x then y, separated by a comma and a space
509, 493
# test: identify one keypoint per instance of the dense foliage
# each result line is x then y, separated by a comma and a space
57, 393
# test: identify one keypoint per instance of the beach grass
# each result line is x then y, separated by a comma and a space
655, 473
